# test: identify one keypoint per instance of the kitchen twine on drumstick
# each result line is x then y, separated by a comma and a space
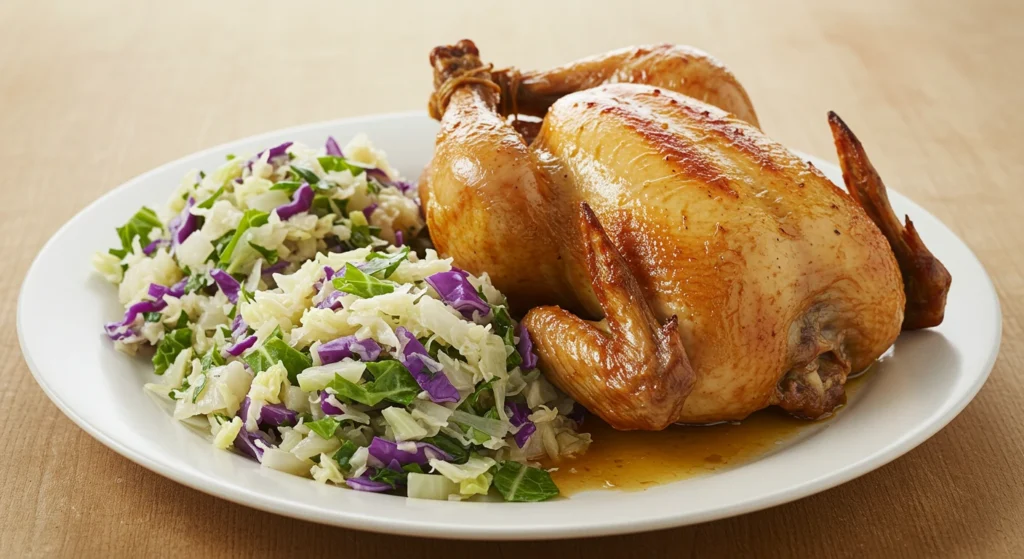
439, 99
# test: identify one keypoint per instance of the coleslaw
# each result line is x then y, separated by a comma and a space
290, 321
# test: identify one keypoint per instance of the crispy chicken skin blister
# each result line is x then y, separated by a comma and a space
674, 263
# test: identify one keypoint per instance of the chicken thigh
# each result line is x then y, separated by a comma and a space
676, 264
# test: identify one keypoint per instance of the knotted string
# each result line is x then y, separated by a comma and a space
440, 98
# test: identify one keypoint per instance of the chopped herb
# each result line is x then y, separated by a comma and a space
391, 381
384, 262
269, 255
302, 174
198, 282
480, 400
523, 484
344, 455
251, 218
140, 225
287, 186
212, 359
153, 316
324, 427
459, 454
275, 350
389, 476
169, 348
434, 347
412, 468
230, 156
199, 387
358, 283
338, 164
182, 320
208, 203
503, 327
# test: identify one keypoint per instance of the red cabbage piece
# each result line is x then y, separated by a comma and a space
455, 290
519, 416
273, 154
388, 453
525, 348
415, 358
364, 483
328, 275
379, 175
238, 327
183, 224
274, 268
405, 186
347, 346
245, 442
274, 415
301, 202
152, 246
327, 407
240, 347
227, 284
122, 330
332, 147
399, 238
332, 301
157, 291
368, 210
277, 415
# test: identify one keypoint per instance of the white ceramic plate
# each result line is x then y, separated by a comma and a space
930, 376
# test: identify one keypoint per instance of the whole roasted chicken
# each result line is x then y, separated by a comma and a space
677, 265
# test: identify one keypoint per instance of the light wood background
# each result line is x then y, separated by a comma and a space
93, 93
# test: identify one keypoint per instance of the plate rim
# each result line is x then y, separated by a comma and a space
296, 509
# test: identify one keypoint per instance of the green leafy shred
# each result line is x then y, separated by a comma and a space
523, 484
140, 225
270, 255
377, 262
344, 455
182, 320
156, 316
324, 427
275, 350
391, 381
459, 454
287, 186
358, 283
208, 203
480, 400
251, 218
167, 350
301, 174
389, 476
338, 164
213, 358
503, 326
200, 387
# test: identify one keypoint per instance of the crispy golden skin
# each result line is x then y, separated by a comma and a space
730, 275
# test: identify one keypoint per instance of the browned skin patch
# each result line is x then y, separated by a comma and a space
690, 160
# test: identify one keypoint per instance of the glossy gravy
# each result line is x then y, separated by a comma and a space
636, 460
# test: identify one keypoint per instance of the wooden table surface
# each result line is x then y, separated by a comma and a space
94, 93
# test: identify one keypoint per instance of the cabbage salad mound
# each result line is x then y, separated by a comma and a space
288, 319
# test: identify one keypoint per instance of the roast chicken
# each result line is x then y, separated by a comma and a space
674, 264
